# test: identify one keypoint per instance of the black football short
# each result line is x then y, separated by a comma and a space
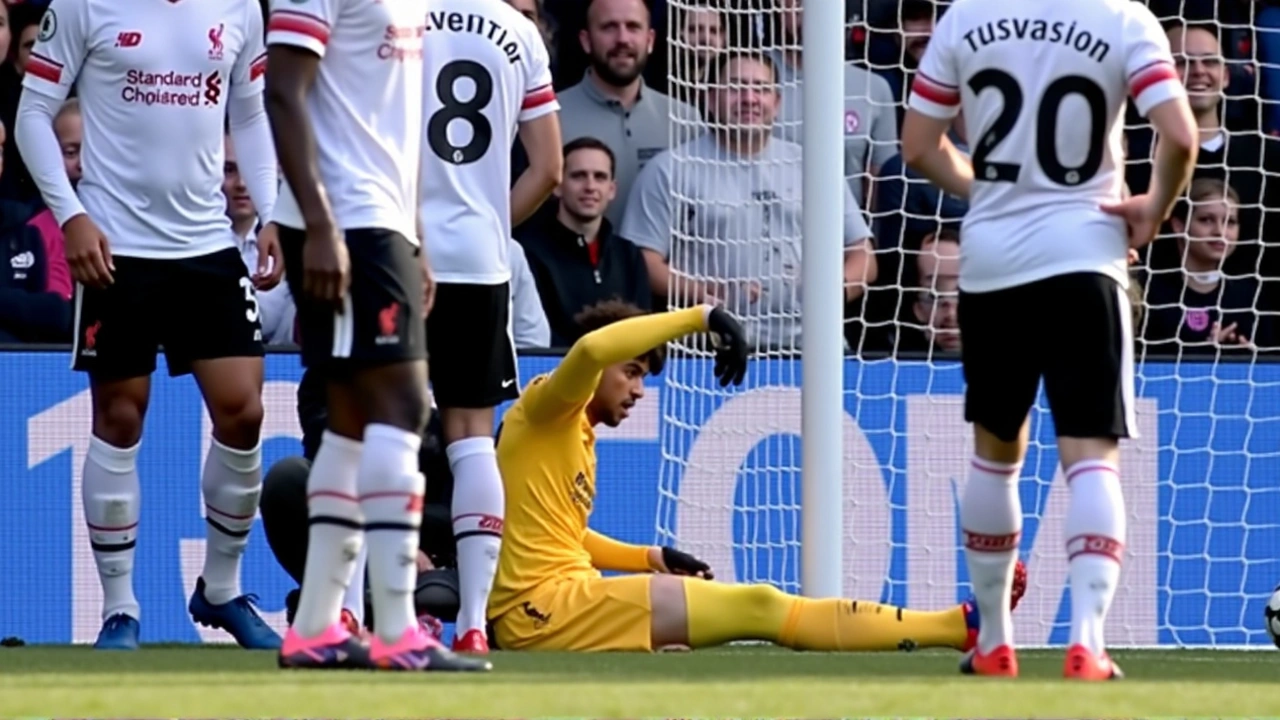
381, 319
473, 358
1075, 331
197, 308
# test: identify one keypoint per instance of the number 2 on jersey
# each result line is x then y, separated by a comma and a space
469, 111
1046, 130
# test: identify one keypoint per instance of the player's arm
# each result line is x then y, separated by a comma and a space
615, 555
932, 106
247, 119
539, 129
55, 63
297, 34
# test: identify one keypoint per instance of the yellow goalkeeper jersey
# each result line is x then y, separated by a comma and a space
547, 456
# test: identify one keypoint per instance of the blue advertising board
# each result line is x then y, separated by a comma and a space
718, 473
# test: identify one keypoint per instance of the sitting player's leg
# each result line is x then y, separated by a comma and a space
705, 613
473, 370
1091, 395
1002, 378
283, 508
219, 341
115, 343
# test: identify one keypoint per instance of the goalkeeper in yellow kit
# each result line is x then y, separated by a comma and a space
549, 593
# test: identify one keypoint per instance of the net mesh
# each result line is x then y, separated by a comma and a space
1199, 482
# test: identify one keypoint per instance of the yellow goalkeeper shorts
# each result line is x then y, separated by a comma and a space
580, 615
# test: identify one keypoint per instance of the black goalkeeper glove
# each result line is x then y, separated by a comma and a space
682, 563
730, 343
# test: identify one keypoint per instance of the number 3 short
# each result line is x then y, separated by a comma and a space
198, 308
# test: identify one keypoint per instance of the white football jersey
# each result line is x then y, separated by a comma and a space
366, 106
153, 86
487, 70
1042, 85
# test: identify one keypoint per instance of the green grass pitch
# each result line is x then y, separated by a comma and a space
742, 682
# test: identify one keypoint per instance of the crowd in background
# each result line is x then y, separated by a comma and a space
662, 199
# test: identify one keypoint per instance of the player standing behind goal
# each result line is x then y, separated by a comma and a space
345, 97
487, 77
1043, 249
156, 264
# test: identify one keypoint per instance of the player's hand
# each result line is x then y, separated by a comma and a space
676, 562
270, 259
1141, 216
326, 265
428, 285
88, 252
1229, 336
730, 342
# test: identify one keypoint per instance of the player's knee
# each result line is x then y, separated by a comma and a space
284, 486
758, 600
117, 418
402, 406
463, 423
237, 419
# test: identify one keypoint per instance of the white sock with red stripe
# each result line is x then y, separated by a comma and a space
1095, 546
991, 516
391, 490
478, 506
335, 536
231, 484
111, 497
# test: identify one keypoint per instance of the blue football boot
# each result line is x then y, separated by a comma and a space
238, 617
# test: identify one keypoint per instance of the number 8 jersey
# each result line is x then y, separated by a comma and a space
1042, 86
486, 70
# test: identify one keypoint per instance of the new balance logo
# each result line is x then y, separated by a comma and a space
128, 39
23, 261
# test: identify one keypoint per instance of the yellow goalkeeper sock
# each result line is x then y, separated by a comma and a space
721, 613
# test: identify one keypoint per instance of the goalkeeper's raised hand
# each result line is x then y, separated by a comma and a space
676, 562
730, 342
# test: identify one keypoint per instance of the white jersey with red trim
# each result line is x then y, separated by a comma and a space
153, 85
1042, 85
487, 71
365, 106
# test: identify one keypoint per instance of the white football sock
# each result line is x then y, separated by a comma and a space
353, 600
232, 484
391, 489
335, 536
112, 502
1095, 547
478, 505
991, 515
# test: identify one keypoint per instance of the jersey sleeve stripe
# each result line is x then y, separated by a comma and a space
1151, 74
538, 97
301, 23
934, 91
44, 68
258, 67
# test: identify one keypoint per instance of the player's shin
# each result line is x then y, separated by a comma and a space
720, 613
232, 485
335, 535
391, 491
1095, 531
991, 516
478, 505
112, 503
353, 599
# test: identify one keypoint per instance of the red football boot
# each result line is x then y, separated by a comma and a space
1084, 665
472, 642
1001, 662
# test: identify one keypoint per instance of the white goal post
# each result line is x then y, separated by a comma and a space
866, 505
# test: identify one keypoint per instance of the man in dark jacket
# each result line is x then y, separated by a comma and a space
575, 258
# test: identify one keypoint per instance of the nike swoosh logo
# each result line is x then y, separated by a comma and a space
508, 383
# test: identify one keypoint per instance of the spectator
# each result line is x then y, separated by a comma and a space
612, 102
1200, 308
907, 45
534, 10
22, 23
29, 310
1247, 161
934, 322
575, 258
529, 328
870, 121
700, 34
737, 191
276, 311
68, 126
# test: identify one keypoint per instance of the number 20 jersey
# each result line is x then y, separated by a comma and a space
1042, 85
486, 71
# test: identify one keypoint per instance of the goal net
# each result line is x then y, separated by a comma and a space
1200, 482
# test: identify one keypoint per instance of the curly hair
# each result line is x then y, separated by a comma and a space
608, 312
